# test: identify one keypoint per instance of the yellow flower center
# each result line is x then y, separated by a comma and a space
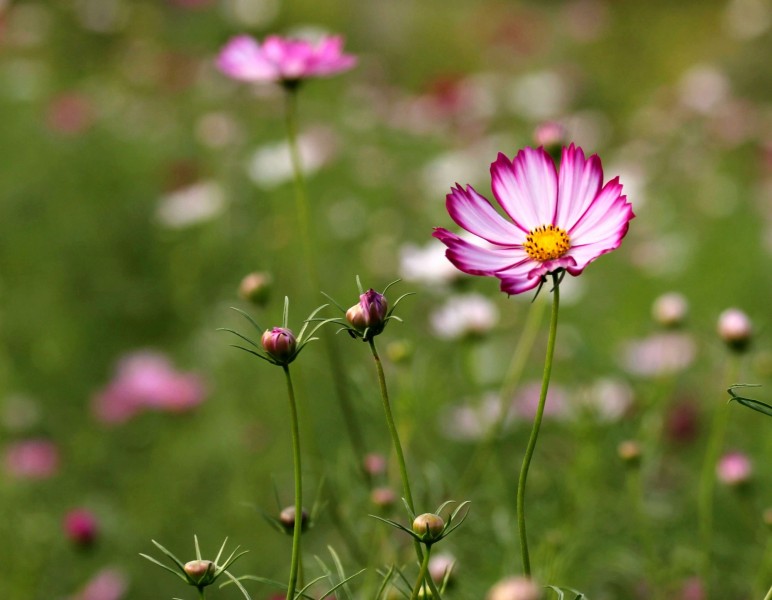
546, 243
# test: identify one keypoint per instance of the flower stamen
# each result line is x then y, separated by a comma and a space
546, 242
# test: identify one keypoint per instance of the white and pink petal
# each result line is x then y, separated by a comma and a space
474, 259
474, 213
579, 182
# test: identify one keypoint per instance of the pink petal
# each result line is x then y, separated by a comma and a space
474, 259
579, 183
475, 214
585, 254
526, 188
243, 59
605, 216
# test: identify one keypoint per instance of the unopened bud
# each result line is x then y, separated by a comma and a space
255, 288
735, 329
287, 519
369, 313
630, 452
383, 497
279, 343
428, 526
375, 464
200, 572
515, 588
552, 136
734, 469
81, 527
669, 310
441, 566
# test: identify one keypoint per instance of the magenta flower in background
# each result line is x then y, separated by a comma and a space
147, 381
32, 459
734, 468
557, 220
283, 60
81, 527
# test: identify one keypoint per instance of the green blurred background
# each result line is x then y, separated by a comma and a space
111, 107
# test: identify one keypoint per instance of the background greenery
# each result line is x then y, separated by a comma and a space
88, 273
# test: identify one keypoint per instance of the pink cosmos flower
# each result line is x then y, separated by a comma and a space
147, 381
558, 220
32, 459
283, 60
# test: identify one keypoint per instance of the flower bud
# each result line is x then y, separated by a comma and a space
734, 327
369, 313
279, 343
734, 469
383, 497
375, 464
428, 526
287, 519
514, 588
552, 136
255, 288
81, 527
200, 572
669, 310
630, 452
440, 566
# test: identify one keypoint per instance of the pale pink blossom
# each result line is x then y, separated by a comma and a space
107, 584
526, 402
32, 459
147, 381
660, 354
734, 468
557, 220
735, 328
280, 59
514, 588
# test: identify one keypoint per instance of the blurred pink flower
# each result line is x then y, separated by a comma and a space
281, 59
527, 401
70, 113
734, 468
32, 459
107, 584
659, 355
693, 589
147, 381
557, 220
81, 527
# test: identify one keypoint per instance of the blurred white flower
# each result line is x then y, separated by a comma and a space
660, 354
471, 422
426, 264
271, 164
748, 19
608, 399
191, 205
703, 88
526, 401
538, 96
470, 314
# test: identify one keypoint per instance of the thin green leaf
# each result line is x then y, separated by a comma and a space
331, 299
163, 566
340, 570
343, 584
386, 579
443, 505
310, 318
248, 318
238, 585
198, 550
756, 405
243, 337
389, 285
359, 286
219, 553
301, 592
394, 524
285, 313
176, 560
252, 352
398, 300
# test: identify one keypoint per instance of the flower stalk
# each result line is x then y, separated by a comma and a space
295, 561
537, 424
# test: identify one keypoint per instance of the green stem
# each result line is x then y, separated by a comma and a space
545, 383
708, 477
307, 245
421, 574
294, 565
769, 595
392, 427
202, 593
519, 358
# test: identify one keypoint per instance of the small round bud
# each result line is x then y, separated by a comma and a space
81, 527
630, 452
428, 526
766, 516
375, 464
552, 136
279, 343
287, 519
515, 588
200, 572
734, 327
383, 497
734, 469
441, 566
369, 313
670, 310
255, 288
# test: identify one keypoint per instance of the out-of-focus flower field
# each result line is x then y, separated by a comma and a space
139, 186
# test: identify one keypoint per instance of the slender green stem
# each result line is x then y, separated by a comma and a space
421, 574
295, 564
769, 595
392, 427
309, 257
202, 593
545, 383
708, 476
519, 358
